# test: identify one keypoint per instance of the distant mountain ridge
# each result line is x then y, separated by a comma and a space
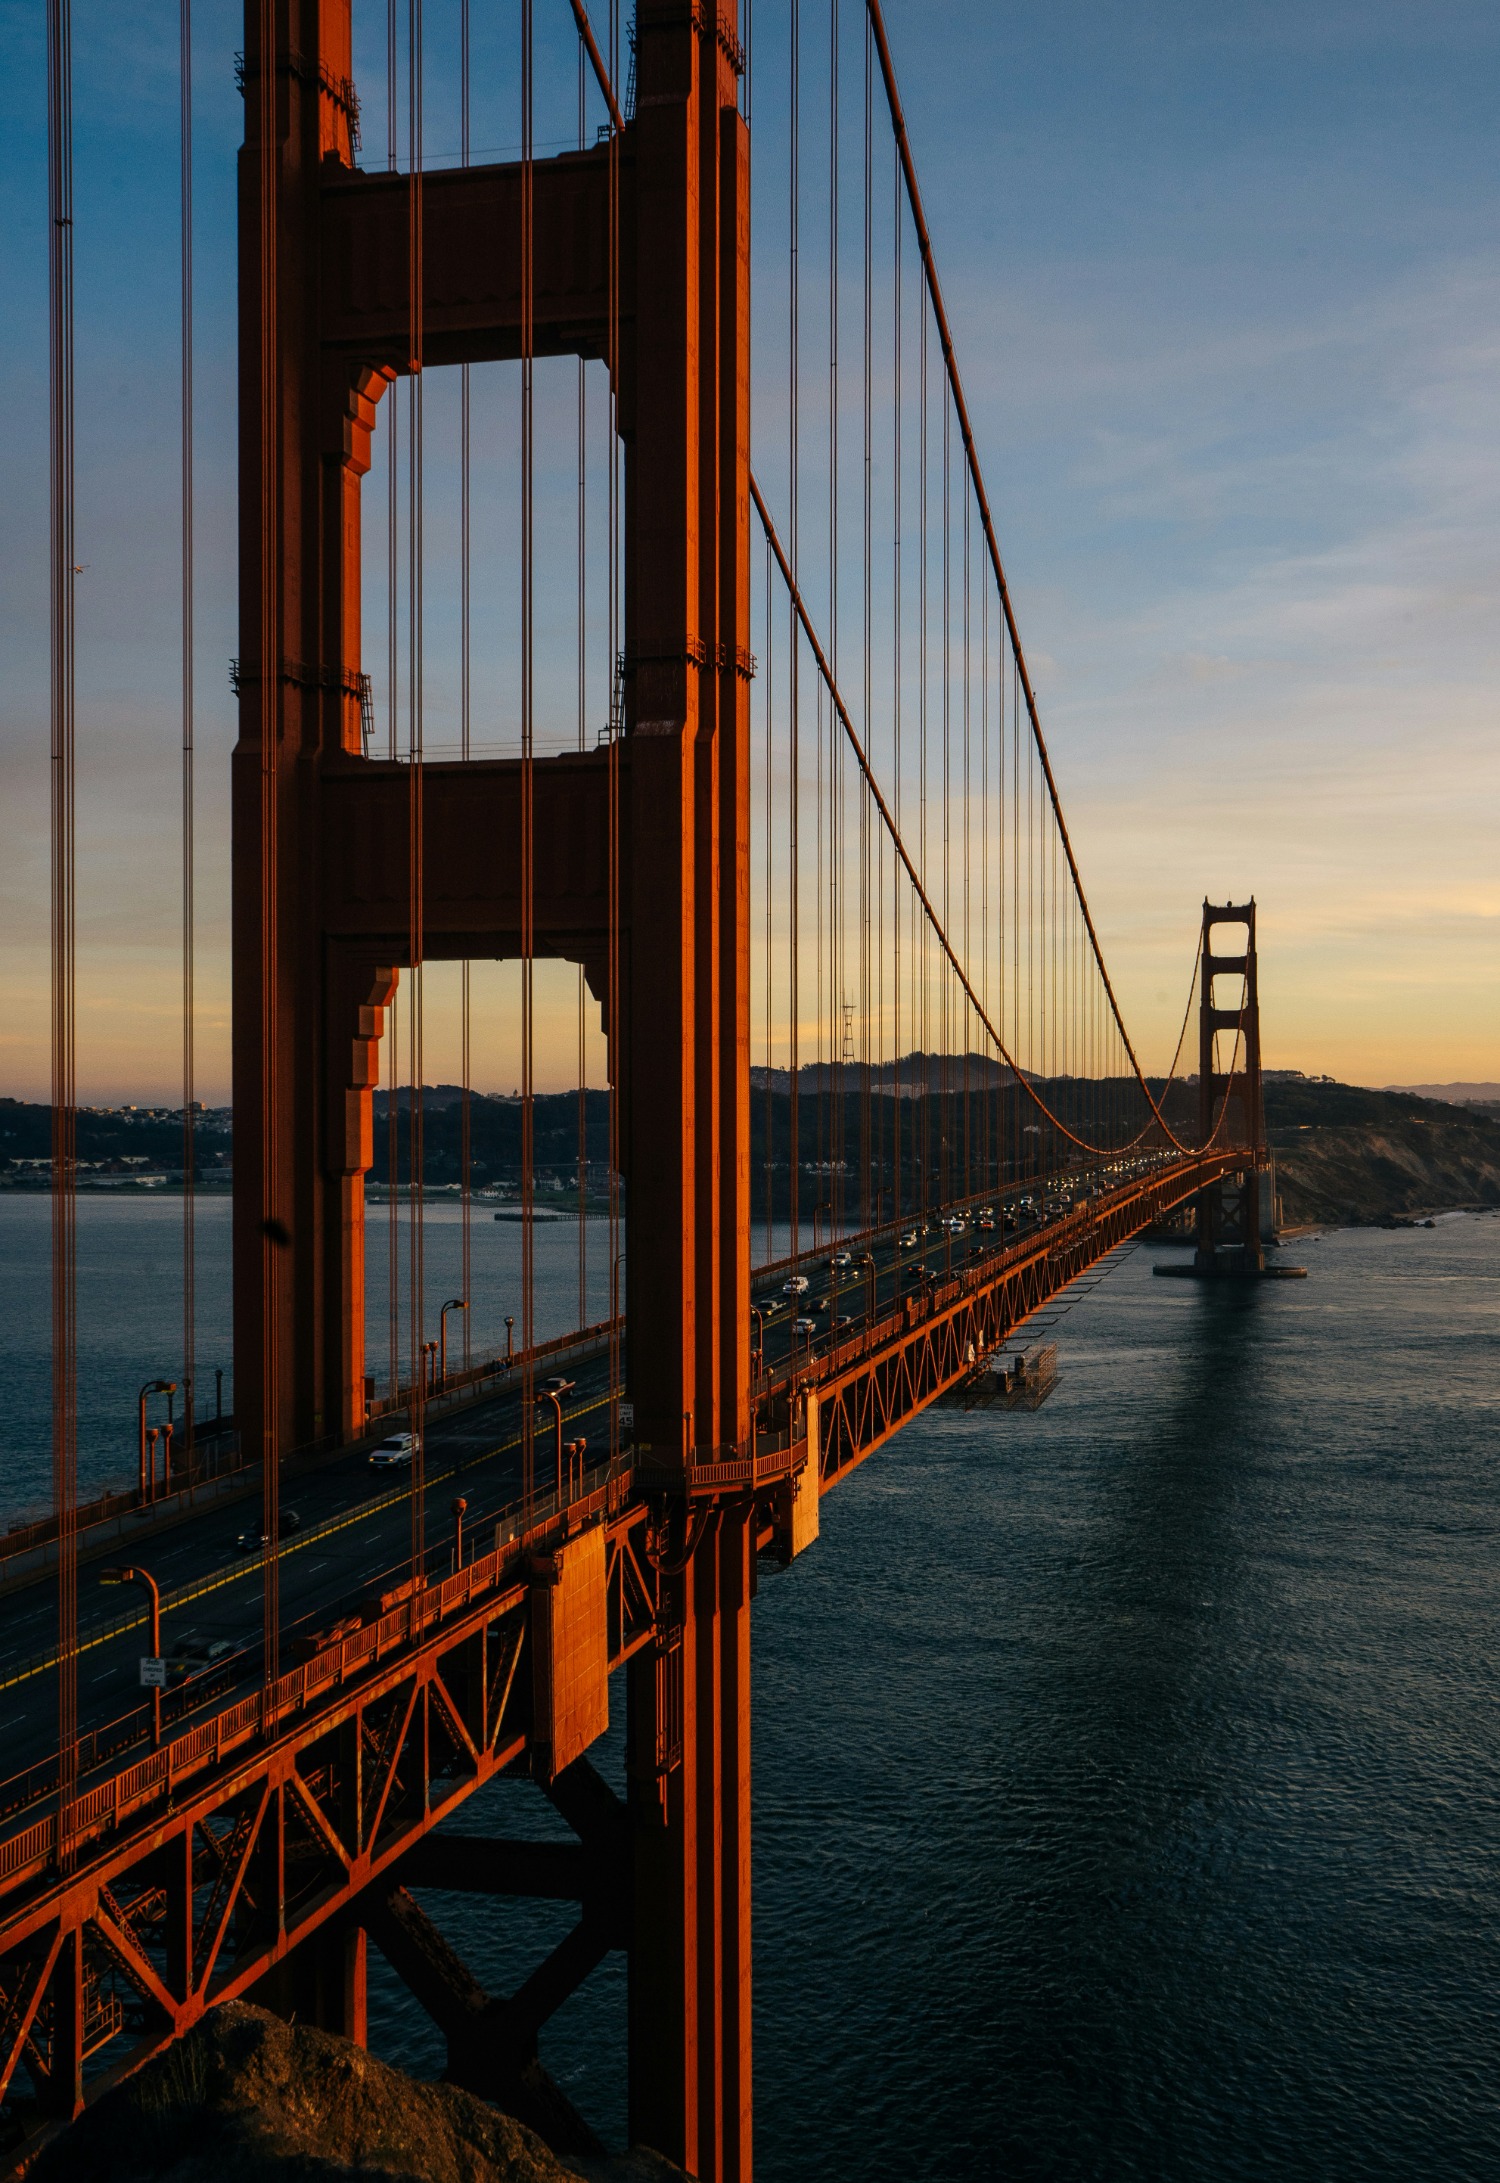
1454, 1093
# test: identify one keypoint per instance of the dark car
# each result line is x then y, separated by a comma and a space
192, 1655
251, 1542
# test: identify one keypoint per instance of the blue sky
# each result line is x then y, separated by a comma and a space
1226, 288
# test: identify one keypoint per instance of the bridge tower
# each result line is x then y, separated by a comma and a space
349, 869
1235, 1214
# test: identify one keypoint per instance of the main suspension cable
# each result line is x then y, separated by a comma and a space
971, 457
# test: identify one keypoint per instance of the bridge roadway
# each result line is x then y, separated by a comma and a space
354, 1536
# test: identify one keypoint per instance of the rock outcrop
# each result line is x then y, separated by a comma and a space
246, 2098
1350, 1157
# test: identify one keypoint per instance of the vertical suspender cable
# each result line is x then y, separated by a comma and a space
616, 723
528, 1059
770, 1124
896, 903
794, 759
926, 970
945, 1178
189, 906
835, 742
967, 1020
868, 1151
63, 905
416, 1268
986, 1103
583, 1095
272, 1228
465, 1118
392, 668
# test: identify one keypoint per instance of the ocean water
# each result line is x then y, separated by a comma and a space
130, 1314
1127, 1775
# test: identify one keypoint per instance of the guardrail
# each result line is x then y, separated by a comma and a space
603, 1490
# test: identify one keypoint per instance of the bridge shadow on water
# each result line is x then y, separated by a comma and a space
1104, 1764
1068, 1864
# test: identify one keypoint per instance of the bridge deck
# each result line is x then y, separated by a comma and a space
181, 1875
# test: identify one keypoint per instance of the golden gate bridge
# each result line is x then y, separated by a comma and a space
777, 791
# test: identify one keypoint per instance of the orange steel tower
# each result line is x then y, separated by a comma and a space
632, 860
1231, 1214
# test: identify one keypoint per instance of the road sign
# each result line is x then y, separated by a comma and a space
153, 1673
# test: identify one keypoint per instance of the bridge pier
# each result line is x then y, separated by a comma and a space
322, 1981
689, 1740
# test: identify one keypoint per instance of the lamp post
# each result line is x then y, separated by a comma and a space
757, 1355
153, 1590
151, 1387
460, 1509
166, 1458
551, 1395
454, 1303
509, 1346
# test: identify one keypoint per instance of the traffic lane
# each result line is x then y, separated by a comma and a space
320, 1581
203, 1543
898, 1271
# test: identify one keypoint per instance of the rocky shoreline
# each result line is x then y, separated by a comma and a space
1346, 1157
247, 2098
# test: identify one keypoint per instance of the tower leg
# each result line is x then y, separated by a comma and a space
690, 2050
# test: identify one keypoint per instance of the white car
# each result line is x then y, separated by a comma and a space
797, 1286
840, 1262
395, 1452
804, 1326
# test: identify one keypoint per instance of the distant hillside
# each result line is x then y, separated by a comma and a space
1484, 1095
1345, 1154
1359, 1158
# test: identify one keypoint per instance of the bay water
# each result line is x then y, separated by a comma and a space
1126, 1774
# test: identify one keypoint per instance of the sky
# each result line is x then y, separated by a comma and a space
1225, 285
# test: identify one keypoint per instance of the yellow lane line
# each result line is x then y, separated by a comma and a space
236, 1572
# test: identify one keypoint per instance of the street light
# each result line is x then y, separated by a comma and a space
454, 1303
152, 1387
509, 1348
551, 1395
460, 1509
144, 1577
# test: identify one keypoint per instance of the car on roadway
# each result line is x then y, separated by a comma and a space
864, 1261
909, 1241
840, 1262
251, 1541
193, 1655
841, 1318
395, 1452
804, 1326
556, 1385
797, 1286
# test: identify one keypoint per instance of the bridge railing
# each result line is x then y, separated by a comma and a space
603, 1489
